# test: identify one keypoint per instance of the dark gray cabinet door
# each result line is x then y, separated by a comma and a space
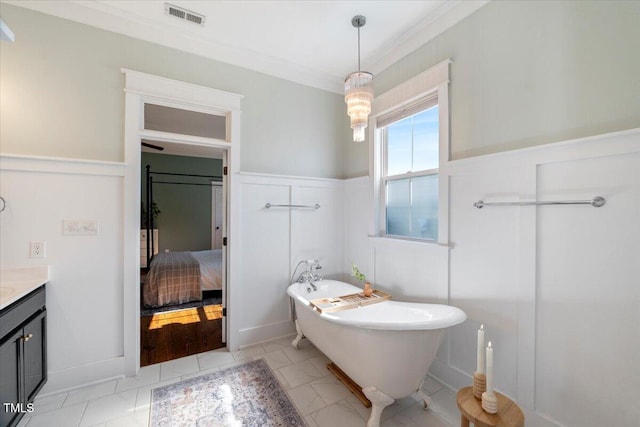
10, 377
23, 355
34, 360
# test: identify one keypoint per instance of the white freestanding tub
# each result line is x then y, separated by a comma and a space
386, 347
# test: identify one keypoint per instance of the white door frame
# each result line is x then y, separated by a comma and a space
215, 186
223, 225
141, 88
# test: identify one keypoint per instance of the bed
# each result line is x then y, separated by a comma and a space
180, 277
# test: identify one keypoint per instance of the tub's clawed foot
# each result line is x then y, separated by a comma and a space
422, 396
298, 337
426, 402
379, 401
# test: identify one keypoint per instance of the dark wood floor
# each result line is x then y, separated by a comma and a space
170, 335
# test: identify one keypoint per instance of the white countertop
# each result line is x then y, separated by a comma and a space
18, 282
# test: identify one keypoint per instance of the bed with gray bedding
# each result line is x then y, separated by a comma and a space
180, 277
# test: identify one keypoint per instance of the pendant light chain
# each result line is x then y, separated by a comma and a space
358, 49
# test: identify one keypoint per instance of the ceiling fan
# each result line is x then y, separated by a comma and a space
155, 147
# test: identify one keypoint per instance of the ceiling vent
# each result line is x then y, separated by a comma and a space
184, 14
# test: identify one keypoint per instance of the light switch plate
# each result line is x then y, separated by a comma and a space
79, 227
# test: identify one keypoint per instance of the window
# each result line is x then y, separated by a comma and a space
184, 122
410, 174
410, 143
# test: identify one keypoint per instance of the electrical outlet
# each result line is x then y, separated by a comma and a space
37, 249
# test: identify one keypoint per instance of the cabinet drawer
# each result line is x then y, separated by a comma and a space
14, 315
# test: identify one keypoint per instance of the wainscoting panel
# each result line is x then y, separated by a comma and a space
484, 265
357, 205
588, 293
317, 234
273, 240
264, 237
85, 291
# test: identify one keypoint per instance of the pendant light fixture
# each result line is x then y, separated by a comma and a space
358, 91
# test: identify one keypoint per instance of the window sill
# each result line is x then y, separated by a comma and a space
391, 242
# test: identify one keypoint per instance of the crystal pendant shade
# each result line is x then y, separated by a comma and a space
358, 94
358, 91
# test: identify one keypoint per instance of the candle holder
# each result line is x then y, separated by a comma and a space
489, 403
479, 384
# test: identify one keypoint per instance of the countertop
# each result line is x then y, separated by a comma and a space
18, 282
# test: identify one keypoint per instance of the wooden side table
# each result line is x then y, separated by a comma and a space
509, 413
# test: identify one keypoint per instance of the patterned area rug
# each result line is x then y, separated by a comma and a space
243, 395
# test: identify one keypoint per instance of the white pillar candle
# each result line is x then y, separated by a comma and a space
489, 369
480, 352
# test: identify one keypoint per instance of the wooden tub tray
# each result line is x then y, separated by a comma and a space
346, 302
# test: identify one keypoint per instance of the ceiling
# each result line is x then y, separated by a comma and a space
309, 42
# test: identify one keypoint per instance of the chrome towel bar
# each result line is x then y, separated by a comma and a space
316, 206
596, 202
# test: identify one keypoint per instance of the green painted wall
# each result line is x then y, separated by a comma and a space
185, 219
527, 73
524, 73
61, 92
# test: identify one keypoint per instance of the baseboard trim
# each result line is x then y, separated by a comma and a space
258, 334
81, 376
450, 376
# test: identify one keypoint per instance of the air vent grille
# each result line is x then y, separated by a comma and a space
195, 18
184, 14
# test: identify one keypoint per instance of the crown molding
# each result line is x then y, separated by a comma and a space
449, 14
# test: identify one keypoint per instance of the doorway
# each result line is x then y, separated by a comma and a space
176, 320
141, 89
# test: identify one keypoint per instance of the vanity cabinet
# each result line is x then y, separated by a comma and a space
23, 355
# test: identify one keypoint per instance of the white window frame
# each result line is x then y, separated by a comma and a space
435, 80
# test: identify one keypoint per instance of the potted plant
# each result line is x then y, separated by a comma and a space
155, 211
367, 291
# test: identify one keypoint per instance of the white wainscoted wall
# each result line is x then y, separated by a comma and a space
84, 295
556, 287
273, 240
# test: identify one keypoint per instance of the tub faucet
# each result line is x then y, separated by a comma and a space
308, 275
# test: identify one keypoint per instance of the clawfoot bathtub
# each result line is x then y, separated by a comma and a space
385, 347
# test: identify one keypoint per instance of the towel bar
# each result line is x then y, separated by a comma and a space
316, 206
596, 202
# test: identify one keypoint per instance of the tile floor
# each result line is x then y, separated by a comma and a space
321, 399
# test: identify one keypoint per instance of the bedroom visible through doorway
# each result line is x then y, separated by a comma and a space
181, 289
183, 224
